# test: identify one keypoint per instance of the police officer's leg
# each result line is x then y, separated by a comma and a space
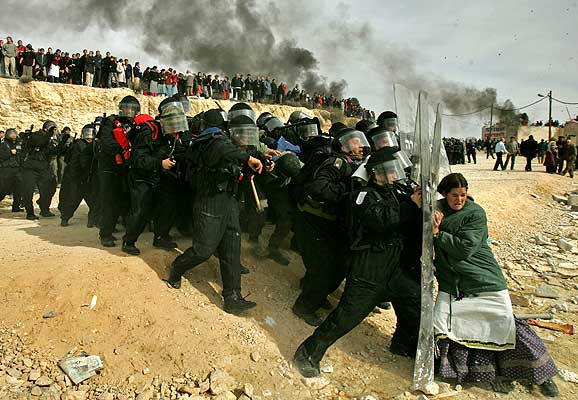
209, 226
47, 188
69, 198
167, 206
357, 302
142, 196
184, 218
108, 193
92, 201
405, 296
280, 203
17, 192
28, 184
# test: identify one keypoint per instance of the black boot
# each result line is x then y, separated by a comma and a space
63, 222
17, 209
307, 366
47, 214
107, 241
311, 318
384, 305
130, 248
174, 280
277, 256
31, 217
164, 243
549, 389
236, 304
245, 270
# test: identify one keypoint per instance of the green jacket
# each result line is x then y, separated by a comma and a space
464, 262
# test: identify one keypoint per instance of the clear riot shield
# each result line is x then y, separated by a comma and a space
405, 108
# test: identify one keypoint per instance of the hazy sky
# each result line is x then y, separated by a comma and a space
521, 48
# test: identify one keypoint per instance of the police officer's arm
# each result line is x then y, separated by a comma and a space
108, 144
327, 185
142, 156
226, 152
5, 153
384, 216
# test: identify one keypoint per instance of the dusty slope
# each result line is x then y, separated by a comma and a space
139, 323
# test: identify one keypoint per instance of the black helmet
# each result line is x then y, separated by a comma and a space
336, 128
243, 131
288, 165
173, 118
351, 142
184, 101
365, 125
385, 166
242, 109
388, 120
213, 119
262, 118
128, 107
11, 131
308, 128
381, 137
48, 126
88, 132
297, 116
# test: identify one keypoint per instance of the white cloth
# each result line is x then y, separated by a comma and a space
484, 321
54, 71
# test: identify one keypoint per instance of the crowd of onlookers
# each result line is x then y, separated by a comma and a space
554, 124
93, 69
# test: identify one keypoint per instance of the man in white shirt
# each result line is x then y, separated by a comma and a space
500, 151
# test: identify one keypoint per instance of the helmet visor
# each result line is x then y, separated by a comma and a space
237, 113
129, 110
403, 158
354, 143
388, 172
307, 131
175, 123
385, 139
390, 124
245, 135
273, 124
88, 133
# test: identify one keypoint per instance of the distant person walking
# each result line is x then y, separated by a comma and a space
570, 156
500, 151
529, 149
512, 148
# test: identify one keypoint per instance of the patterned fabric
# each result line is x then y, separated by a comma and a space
528, 362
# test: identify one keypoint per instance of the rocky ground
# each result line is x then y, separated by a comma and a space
158, 343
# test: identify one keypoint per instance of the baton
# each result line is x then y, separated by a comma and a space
255, 194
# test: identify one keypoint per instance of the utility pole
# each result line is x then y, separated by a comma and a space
491, 121
550, 117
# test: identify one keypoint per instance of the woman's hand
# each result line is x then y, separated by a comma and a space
438, 217
416, 196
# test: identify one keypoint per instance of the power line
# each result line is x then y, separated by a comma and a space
497, 108
564, 102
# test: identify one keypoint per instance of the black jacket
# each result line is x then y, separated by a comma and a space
7, 159
38, 148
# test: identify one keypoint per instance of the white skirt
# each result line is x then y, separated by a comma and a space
54, 71
484, 321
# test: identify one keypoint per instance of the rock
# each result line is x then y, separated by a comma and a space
560, 199
225, 396
369, 397
328, 369
106, 396
146, 395
315, 383
542, 240
14, 373
43, 381
564, 244
12, 381
547, 291
204, 386
431, 389
459, 388
36, 391
49, 314
562, 307
444, 387
34, 375
243, 397
568, 376
520, 300
27, 363
572, 199
146, 371
567, 265
74, 395
221, 382
189, 390
248, 389
255, 356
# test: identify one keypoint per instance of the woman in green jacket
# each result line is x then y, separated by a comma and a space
476, 333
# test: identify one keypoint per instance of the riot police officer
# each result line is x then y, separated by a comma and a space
320, 221
78, 182
113, 159
10, 168
215, 167
38, 148
380, 219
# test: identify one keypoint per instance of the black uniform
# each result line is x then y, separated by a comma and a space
79, 182
320, 229
112, 173
38, 148
217, 166
375, 272
10, 172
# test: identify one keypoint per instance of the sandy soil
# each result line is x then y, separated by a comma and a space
139, 323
